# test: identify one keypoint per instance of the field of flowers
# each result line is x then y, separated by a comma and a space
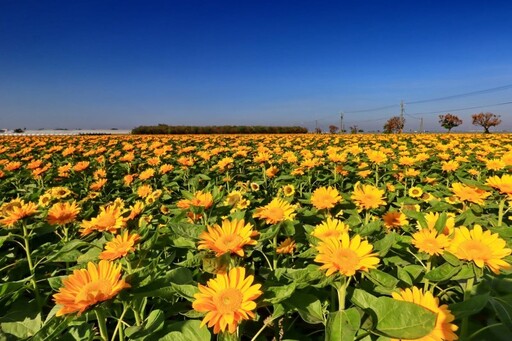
261, 237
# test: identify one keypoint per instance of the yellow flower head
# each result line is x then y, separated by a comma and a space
15, 210
276, 211
345, 255
120, 246
227, 300
86, 287
109, 219
230, 237
367, 196
469, 193
62, 213
444, 329
483, 248
394, 219
330, 228
286, 246
325, 198
428, 241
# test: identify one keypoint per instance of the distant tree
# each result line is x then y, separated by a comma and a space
333, 129
486, 120
318, 130
449, 121
18, 130
353, 129
394, 125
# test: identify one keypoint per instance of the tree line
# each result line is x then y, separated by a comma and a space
448, 121
168, 129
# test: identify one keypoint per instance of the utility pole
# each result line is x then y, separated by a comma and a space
402, 120
421, 125
316, 126
341, 122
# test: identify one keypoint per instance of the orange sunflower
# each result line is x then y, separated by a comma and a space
483, 248
62, 213
227, 300
469, 193
345, 255
86, 287
286, 246
444, 329
394, 219
120, 246
325, 198
109, 219
230, 237
15, 210
367, 196
276, 211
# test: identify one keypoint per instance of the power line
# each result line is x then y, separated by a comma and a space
479, 92
460, 109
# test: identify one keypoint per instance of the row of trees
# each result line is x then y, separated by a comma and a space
449, 121
167, 129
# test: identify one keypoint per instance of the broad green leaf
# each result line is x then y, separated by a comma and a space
309, 307
363, 299
154, 322
385, 282
402, 320
418, 216
503, 308
383, 245
23, 320
9, 287
342, 325
451, 258
277, 294
469, 307
441, 273
185, 331
186, 291
69, 252
441, 222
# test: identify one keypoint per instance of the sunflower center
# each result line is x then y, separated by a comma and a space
230, 241
229, 300
346, 260
475, 250
93, 292
276, 213
107, 220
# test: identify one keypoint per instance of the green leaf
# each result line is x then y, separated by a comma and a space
503, 308
385, 282
383, 245
370, 228
69, 252
451, 258
401, 319
277, 294
154, 322
443, 272
418, 216
470, 306
309, 307
3, 239
342, 325
441, 222
363, 299
23, 320
9, 287
186, 291
184, 331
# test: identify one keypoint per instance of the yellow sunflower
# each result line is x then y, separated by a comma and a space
444, 329
86, 287
276, 211
230, 237
325, 198
483, 248
109, 219
120, 246
367, 196
503, 184
15, 210
345, 255
428, 240
227, 300
330, 228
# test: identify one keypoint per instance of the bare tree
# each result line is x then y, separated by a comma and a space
486, 120
394, 125
333, 129
449, 121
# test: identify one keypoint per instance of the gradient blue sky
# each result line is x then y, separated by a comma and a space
104, 64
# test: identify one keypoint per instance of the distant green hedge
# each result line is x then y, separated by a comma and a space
167, 129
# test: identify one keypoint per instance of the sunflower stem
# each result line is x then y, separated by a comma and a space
227, 336
500, 212
465, 321
274, 258
427, 282
376, 175
342, 292
102, 324
31, 266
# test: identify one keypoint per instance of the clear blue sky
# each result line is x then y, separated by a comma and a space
104, 64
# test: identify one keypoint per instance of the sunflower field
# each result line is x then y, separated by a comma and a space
256, 237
